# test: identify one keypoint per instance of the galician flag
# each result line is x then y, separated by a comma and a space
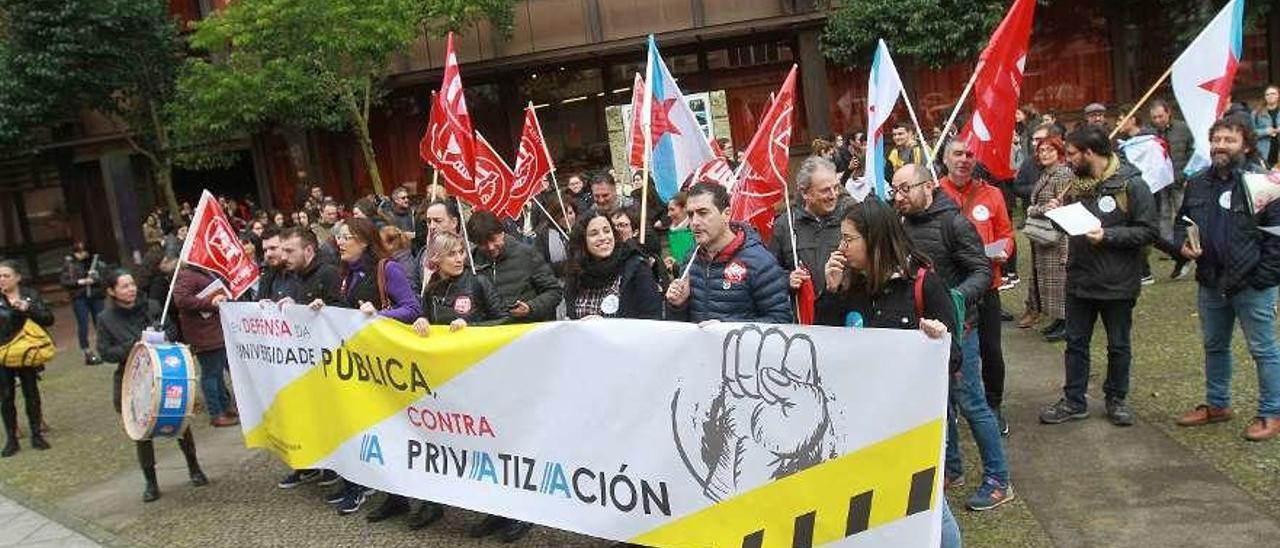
884, 86
1202, 77
1150, 154
678, 145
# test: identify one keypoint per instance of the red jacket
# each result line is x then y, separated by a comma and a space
198, 317
983, 205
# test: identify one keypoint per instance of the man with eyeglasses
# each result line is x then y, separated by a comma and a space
938, 229
817, 224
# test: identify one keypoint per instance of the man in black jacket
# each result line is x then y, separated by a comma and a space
1238, 268
817, 224
938, 229
1104, 272
528, 288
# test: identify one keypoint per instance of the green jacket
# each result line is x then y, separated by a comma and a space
521, 274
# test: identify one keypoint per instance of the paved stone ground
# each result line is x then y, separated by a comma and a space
20, 527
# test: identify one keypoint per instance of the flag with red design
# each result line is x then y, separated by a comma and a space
762, 177
635, 131
533, 164
494, 179
996, 88
212, 244
449, 143
1202, 77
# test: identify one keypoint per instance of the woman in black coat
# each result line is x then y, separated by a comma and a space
453, 295
605, 278
17, 305
120, 326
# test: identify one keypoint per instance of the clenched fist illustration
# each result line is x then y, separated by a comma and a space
770, 416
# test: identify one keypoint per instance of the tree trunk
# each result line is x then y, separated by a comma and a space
163, 174
360, 122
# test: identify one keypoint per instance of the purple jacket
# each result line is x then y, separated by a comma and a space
360, 284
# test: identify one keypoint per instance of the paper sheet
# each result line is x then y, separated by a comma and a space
1074, 219
994, 249
1273, 230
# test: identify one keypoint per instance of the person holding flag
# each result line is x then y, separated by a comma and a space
196, 295
816, 231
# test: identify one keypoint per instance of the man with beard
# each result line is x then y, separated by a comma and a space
1104, 272
1238, 268
733, 277
817, 224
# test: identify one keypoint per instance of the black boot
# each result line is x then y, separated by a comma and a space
1057, 331
187, 444
9, 417
11, 445
151, 492
427, 514
35, 416
38, 442
391, 507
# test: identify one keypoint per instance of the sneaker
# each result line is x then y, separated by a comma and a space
426, 514
1180, 270
197, 477
1118, 413
1003, 424
1148, 279
1057, 331
224, 421
514, 531
298, 477
91, 358
1063, 411
1005, 316
337, 495
949, 481
353, 500
327, 478
990, 495
489, 525
1006, 283
392, 506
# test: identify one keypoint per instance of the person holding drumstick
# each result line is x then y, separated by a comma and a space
17, 305
120, 326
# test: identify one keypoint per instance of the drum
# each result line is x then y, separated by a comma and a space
159, 390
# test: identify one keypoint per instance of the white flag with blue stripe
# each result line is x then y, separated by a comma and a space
678, 146
884, 86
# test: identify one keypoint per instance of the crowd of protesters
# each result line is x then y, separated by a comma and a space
934, 254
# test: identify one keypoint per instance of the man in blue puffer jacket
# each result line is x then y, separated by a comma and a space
734, 278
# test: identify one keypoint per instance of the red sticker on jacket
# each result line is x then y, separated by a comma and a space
735, 272
462, 305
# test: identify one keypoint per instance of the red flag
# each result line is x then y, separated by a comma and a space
997, 85
213, 245
493, 178
533, 163
636, 158
449, 143
762, 177
805, 299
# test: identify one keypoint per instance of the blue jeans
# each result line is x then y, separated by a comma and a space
968, 394
950, 529
1255, 308
86, 310
212, 364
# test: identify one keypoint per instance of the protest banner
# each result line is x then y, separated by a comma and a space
728, 435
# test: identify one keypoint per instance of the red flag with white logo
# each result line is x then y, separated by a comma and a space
449, 143
762, 177
996, 87
636, 156
212, 244
493, 179
533, 163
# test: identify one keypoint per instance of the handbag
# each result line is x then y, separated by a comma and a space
30, 347
1041, 230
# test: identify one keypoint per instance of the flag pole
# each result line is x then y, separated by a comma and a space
173, 281
202, 205
1141, 101
466, 239
435, 182
647, 123
553, 219
554, 183
928, 152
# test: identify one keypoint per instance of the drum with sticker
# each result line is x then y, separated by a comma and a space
159, 390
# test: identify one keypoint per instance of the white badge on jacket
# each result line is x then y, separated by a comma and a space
981, 213
1224, 200
610, 304
1106, 204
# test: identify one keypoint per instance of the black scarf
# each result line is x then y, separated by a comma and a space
597, 273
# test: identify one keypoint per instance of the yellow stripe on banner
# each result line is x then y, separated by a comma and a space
828, 502
369, 378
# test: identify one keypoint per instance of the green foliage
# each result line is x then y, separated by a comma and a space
443, 16
1188, 17
933, 32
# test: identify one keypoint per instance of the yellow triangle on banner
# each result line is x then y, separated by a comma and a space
377, 372
839, 498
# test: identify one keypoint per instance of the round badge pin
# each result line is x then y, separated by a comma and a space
1224, 200
726, 284
1106, 204
981, 213
610, 304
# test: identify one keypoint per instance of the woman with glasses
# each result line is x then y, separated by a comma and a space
1047, 295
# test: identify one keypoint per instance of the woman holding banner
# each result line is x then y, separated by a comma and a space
458, 298
606, 279
875, 278
19, 307
375, 284
120, 326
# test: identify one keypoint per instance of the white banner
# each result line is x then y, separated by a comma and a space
650, 432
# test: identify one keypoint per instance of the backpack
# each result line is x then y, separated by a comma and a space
957, 300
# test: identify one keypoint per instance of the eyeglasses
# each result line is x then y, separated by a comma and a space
847, 239
894, 190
